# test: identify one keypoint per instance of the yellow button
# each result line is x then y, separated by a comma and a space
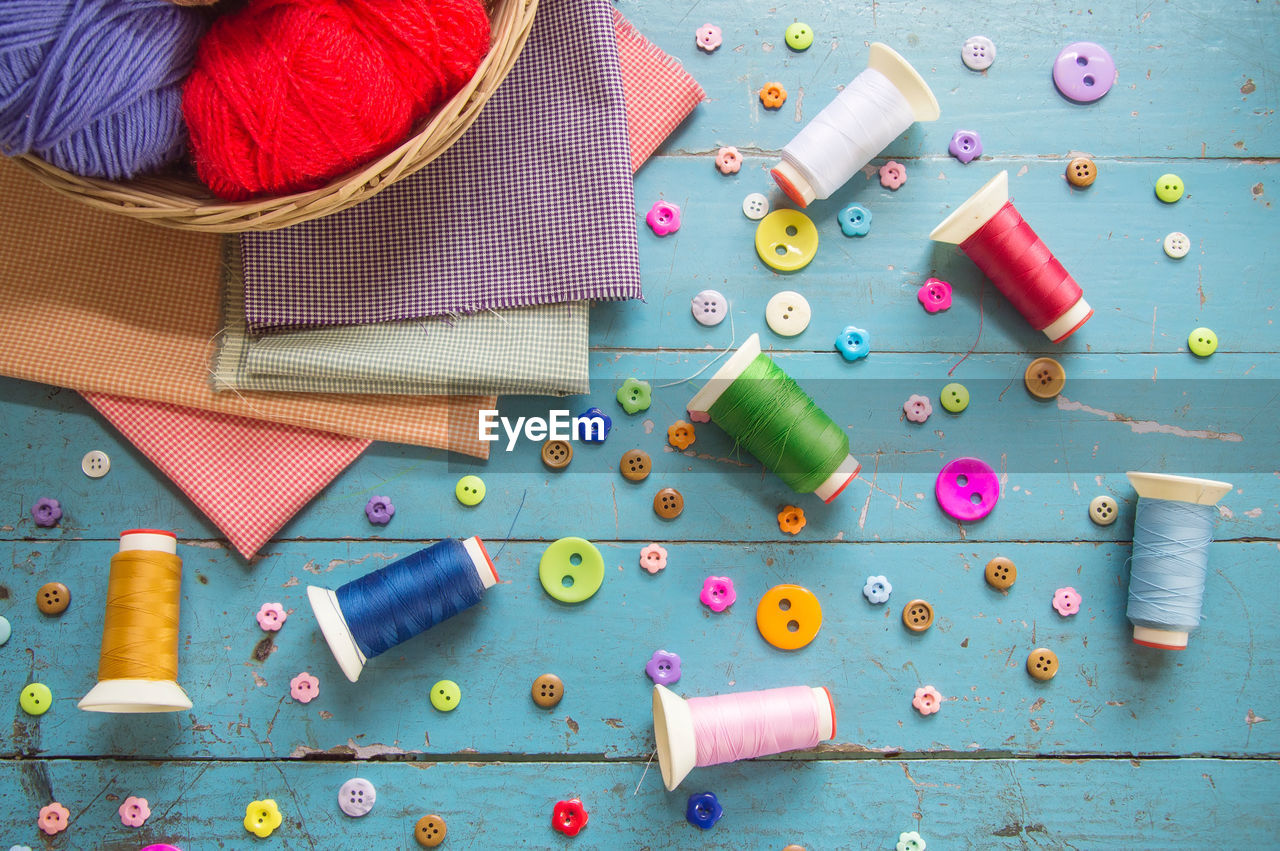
786, 240
789, 616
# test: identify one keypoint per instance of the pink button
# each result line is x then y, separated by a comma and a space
728, 160
699, 416
162, 847
53, 818
917, 408
967, 489
893, 175
272, 616
663, 218
935, 295
709, 37
1067, 601
717, 593
927, 700
134, 812
653, 558
304, 688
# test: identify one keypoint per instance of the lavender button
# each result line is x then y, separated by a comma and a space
966, 146
356, 797
1084, 71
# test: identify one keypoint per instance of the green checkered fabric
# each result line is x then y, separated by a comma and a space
526, 351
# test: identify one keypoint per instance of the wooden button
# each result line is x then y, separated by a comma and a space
1045, 378
429, 831
1081, 171
1001, 573
668, 503
917, 615
557, 454
635, 465
53, 598
1042, 664
547, 690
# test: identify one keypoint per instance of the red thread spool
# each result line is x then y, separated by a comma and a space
989, 229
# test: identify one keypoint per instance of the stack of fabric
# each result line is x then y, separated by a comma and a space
396, 320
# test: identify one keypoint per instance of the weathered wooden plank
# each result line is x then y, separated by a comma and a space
1001, 804
1111, 696
1196, 79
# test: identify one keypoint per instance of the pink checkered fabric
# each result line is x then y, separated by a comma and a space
659, 92
248, 476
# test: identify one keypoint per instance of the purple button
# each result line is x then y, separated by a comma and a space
1084, 71
966, 146
967, 489
663, 668
46, 512
356, 797
162, 847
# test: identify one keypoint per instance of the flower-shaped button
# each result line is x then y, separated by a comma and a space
379, 510
877, 590
708, 37
728, 160
680, 434
699, 416
773, 95
893, 174
569, 817
917, 408
653, 558
272, 616
1067, 601
134, 812
935, 295
927, 700
53, 818
262, 817
592, 426
663, 668
910, 841
634, 395
663, 218
46, 512
703, 810
717, 593
855, 220
791, 519
853, 343
304, 688
966, 145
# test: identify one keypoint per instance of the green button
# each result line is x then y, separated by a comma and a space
571, 570
955, 397
36, 699
445, 695
470, 490
1169, 188
634, 396
1202, 342
799, 36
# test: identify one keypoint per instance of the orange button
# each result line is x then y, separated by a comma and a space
773, 95
789, 616
1081, 172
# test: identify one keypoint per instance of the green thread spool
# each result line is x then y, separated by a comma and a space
768, 414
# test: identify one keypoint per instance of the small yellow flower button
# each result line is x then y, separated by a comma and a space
262, 817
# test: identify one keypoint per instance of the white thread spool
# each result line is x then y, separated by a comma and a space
871, 112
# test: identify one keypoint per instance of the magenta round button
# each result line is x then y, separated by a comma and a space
967, 489
162, 848
1084, 71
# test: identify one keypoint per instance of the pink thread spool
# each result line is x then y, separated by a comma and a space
989, 229
704, 731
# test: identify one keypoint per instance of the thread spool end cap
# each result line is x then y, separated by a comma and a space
839, 480
792, 182
135, 696
673, 733
1070, 322
976, 211
1160, 639
1178, 488
342, 644
906, 79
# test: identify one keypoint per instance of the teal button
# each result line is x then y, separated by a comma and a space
799, 36
955, 397
470, 490
445, 695
635, 395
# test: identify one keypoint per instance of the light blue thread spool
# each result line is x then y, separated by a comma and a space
1172, 532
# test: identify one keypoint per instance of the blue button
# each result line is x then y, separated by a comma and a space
589, 432
855, 220
703, 810
853, 343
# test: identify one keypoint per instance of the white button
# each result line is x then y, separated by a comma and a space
356, 797
95, 464
978, 53
787, 313
1176, 245
709, 307
1103, 510
755, 206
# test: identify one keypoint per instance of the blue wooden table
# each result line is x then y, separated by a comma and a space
1127, 747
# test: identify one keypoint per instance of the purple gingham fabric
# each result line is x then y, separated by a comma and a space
533, 205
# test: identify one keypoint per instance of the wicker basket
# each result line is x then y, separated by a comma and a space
187, 204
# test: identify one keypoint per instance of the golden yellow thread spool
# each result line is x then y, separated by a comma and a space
138, 666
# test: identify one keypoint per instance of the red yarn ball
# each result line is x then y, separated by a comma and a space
288, 94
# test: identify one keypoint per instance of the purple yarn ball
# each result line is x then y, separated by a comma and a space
94, 87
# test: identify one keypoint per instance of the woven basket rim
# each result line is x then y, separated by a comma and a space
186, 204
